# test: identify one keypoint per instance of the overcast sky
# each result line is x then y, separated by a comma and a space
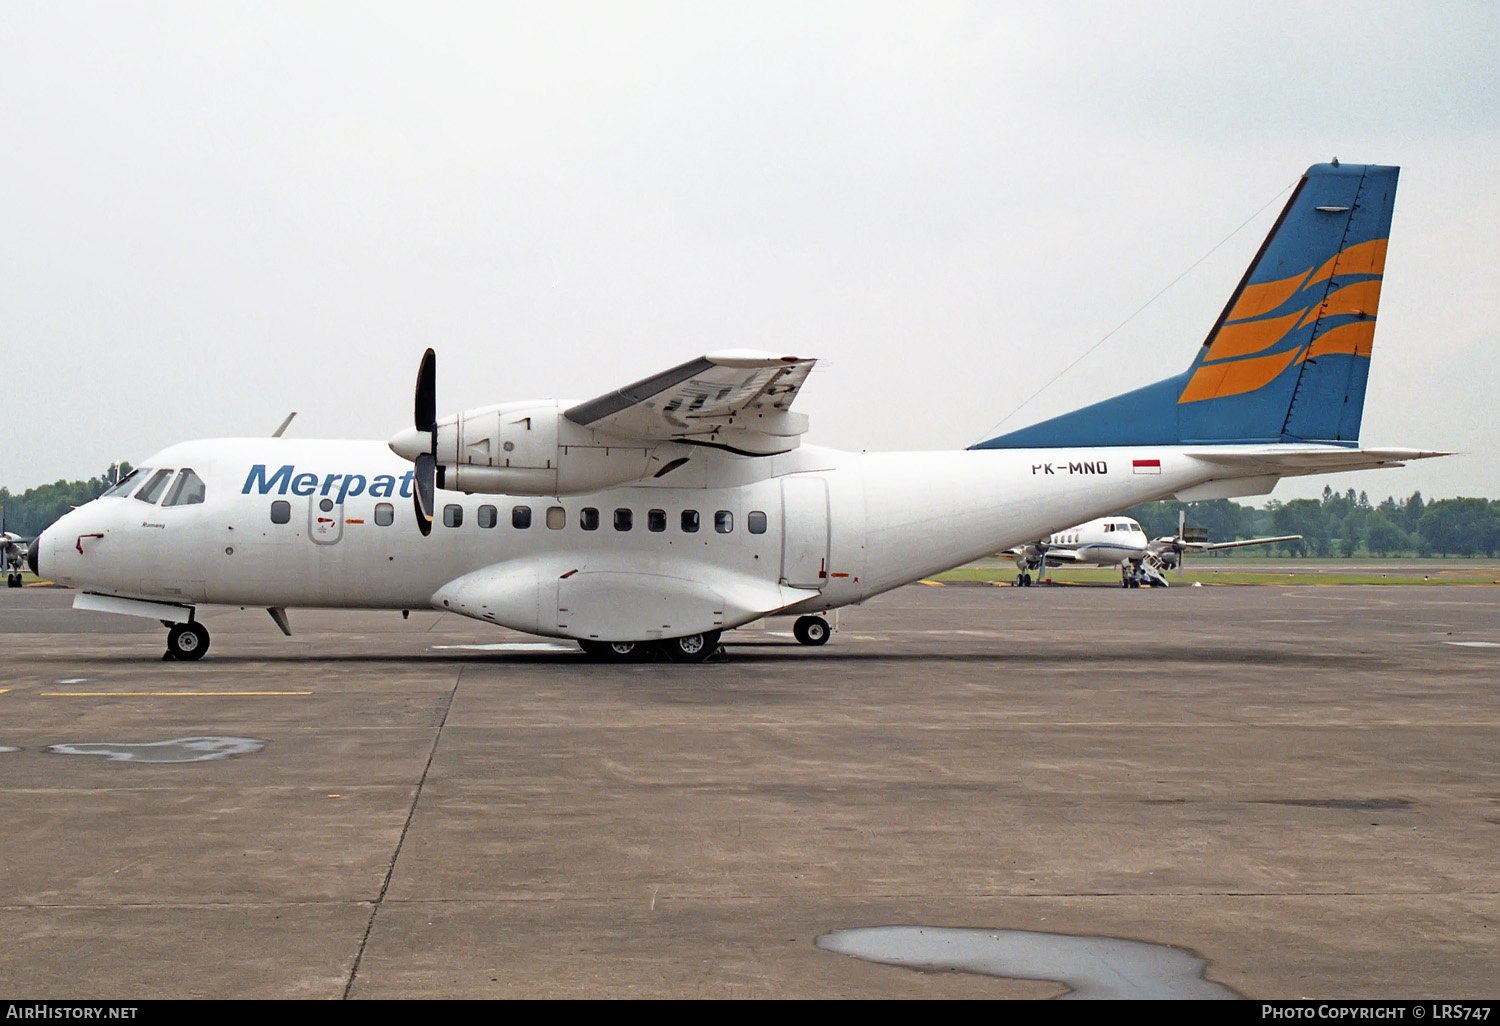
215, 213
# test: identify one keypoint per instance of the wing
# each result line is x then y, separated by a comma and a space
1207, 547
736, 399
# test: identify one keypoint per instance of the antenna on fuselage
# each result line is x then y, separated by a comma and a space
278, 431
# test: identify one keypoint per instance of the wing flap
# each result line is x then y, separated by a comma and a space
734, 399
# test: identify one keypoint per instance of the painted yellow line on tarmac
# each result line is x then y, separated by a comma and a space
165, 694
932, 584
3, 690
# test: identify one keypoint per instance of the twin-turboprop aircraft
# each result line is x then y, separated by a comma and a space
652, 519
1118, 541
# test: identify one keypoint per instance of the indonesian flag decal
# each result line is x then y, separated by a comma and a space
1145, 466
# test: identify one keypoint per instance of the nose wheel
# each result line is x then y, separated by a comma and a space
187, 642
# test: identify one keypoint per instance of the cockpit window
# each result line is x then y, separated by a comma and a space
152, 491
126, 483
187, 490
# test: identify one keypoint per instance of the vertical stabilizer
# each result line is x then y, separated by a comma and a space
1288, 359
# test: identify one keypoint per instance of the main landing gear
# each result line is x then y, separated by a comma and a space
186, 641
811, 630
694, 648
1023, 580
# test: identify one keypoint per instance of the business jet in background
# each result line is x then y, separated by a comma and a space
1119, 542
651, 519
13, 549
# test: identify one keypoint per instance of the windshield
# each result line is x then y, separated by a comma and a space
187, 490
152, 490
126, 483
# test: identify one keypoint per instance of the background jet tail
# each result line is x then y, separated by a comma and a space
1288, 359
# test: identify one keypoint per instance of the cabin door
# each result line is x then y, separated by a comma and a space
804, 532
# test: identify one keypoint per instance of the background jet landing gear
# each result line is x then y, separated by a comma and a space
186, 641
811, 630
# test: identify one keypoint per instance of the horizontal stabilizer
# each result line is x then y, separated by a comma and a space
1289, 461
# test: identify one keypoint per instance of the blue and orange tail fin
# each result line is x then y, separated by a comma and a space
1288, 359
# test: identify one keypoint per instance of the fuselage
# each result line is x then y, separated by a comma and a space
306, 523
1104, 541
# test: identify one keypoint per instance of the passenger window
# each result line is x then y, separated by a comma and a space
126, 483
557, 519
588, 518
153, 488
624, 519
453, 515
520, 517
487, 516
689, 521
281, 512
723, 521
755, 523
187, 490
656, 520
385, 514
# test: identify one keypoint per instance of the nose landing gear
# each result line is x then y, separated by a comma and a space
187, 642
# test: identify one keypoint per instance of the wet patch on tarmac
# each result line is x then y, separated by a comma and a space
1090, 967
8, 748
182, 749
1474, 644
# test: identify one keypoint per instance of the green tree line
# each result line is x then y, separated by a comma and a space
36, 509
1342, 525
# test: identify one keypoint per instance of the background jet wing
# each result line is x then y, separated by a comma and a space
735, 399
1207, 546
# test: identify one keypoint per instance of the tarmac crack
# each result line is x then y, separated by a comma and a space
411, 813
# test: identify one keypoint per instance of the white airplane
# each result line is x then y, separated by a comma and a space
12, 553
655, 517
13, 556
1119, 542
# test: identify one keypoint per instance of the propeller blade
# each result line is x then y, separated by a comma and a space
425, 414
423, 491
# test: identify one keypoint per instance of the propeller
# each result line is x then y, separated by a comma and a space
1177, 546
424, 488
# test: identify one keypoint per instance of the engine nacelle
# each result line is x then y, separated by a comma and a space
530, 448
